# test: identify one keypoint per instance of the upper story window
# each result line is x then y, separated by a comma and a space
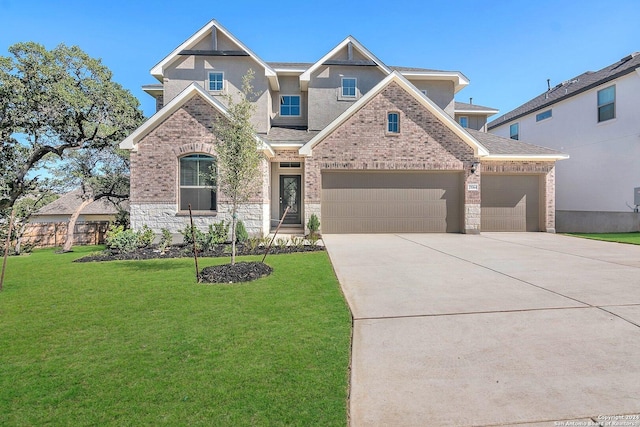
216, 81
196, 185
393, 123
290, 105
607, 103
514, 131
464, 121
349, 87
544, 115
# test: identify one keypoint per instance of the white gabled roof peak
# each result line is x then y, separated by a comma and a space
158, 70
351, 43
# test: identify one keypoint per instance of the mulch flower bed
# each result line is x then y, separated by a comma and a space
239, 272
182, 251
226, 273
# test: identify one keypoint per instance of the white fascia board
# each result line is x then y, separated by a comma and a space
265, 147
131, 142
478, 149
158, 70
459, 80
489, 112
287, 144
306, 76
530, 157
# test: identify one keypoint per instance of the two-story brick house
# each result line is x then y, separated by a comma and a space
365, 146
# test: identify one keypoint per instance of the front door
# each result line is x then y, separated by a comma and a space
290, 197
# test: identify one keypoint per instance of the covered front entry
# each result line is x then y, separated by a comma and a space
391, 202
510, 202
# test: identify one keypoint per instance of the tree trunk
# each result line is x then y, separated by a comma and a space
6, 247
233, 233
72, 224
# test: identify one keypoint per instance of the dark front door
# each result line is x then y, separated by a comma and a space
290, 197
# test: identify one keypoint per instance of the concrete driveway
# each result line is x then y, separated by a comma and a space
495, 329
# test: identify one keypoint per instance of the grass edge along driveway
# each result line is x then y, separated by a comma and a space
140, 343
630, 238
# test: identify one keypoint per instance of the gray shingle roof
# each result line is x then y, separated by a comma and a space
472, 107
579, 84
305, 65
289, 134
67, 204
498, 145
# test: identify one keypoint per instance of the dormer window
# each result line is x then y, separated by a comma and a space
349, 87
216, 81
464, 121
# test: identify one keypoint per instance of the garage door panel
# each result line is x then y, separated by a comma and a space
388, 202
510, 203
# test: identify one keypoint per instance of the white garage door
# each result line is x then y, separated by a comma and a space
391, 202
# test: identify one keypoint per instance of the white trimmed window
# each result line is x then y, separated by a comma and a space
464, 121
215, 83
514, 131
349, 85
607, 104
544, 115
290, 105
196, 185
393, 123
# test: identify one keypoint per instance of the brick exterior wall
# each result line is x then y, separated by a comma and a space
362, 143
155, 167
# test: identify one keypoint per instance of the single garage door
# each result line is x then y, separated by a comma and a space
391, 202
510, 203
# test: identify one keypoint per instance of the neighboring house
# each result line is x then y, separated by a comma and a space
364, 146
48, 226
595, 118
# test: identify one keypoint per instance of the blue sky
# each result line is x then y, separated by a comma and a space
506, 48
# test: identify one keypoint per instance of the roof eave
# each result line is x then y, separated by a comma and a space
489, 112
459, 80
522, 157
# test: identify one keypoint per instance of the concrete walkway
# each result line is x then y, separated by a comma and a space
529, 329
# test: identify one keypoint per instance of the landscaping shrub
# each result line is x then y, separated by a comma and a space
166, 239
187, 237
219, 232
313, 225
241, 233
127, 240
119, 238
145, 237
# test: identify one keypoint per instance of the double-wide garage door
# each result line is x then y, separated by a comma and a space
510, 203
391, 202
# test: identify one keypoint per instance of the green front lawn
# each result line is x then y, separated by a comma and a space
633, 238
140, 343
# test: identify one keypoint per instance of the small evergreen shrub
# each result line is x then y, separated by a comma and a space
241, 233
313, 225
